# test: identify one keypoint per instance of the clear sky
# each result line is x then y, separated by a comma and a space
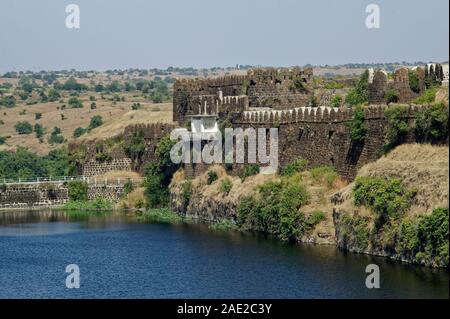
207, 33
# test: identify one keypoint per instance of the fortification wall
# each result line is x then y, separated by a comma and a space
31, 195
53, 194
322, 135
279, 88
102, 156
380, 84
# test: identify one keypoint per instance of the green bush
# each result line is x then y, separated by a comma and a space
78, 191
23, 127
159, 174
98, 204
336, 100
299, 165
431, 124
414, 82
397, 126
37, 116
8, 101
433, 237
276, 209
428, 97
223, 225
186, 191
78, 132
128, 187
388, 198
315, 218
249, 170
56, 137
358, 130
75, 103
212, 177
96, 121
226, 185
324, 174
355, 232
360, 94
2, 140
39, 130
161, 215
392, 96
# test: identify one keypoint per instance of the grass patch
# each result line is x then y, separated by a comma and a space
97, 204
324, 174
160, 215
224, 225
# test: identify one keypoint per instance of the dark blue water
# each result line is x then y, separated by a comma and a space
119, 258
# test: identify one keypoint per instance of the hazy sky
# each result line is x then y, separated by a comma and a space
206, 33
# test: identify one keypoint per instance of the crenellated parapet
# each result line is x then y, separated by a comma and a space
315, 114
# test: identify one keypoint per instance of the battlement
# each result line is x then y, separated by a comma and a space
315, 114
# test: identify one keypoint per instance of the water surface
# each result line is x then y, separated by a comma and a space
120, 258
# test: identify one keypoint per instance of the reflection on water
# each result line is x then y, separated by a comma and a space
120, 258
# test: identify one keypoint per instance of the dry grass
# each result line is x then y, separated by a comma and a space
119, 174
133, 200
115, 117
421, 167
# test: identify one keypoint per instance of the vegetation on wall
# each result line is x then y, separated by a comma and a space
414, 82
358, 130
159, 174
78, 191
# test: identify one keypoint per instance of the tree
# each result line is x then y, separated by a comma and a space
8, 101
56, 137
23, 127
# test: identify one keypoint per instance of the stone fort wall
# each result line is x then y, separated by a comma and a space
281, 88
322, 135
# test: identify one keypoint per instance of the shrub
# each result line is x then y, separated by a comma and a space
8, 101
93, 106
96, 121
39, 130
226, 185
56, 137
336, 101
78, 191
397, 126
414, 83
23, 127
355, 232
78, 132
296, 166
428, 97
75, 103
212, 177
392, 96
186, 190
431, 124
37, 116
2, 140
276, 209
433, 237
128, 187
357, 126
359, 95
223, 225
249, 170
136, 106
315, 218
388, 198
324, 174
